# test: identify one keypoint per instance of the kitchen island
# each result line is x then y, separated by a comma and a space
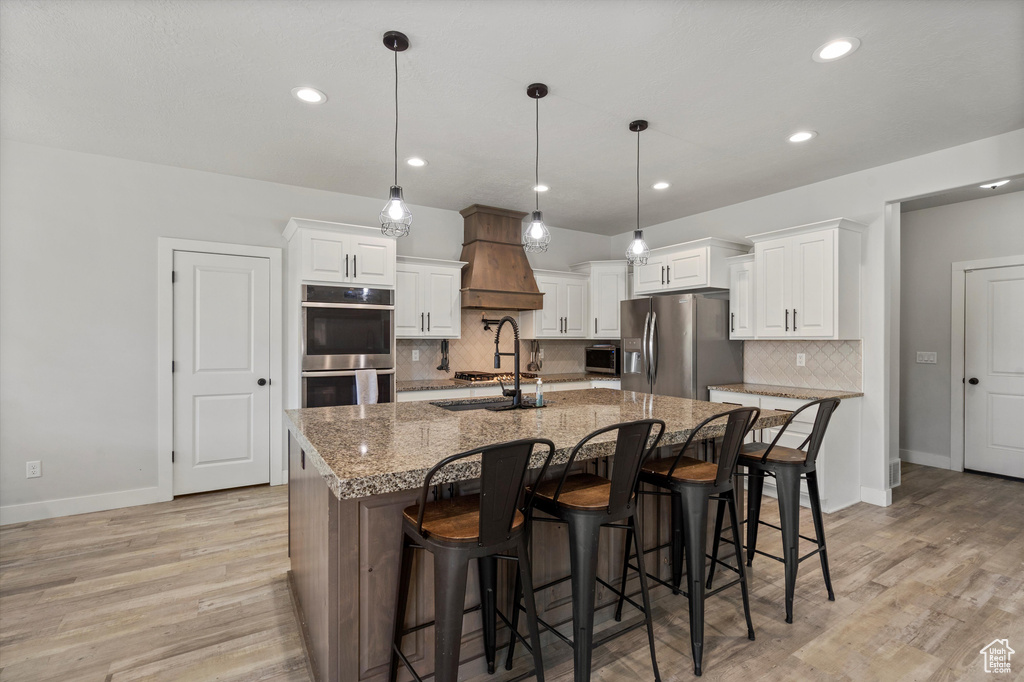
353, 469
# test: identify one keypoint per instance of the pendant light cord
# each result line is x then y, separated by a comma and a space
396, 117
536, 155
638, 179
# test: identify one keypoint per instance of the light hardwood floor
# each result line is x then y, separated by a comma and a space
195, 589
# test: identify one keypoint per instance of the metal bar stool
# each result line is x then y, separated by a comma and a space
692, 483
487, 526
788, 466
587, 503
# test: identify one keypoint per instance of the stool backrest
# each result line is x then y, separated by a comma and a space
826, 406
503, 469
738, 424
631, 449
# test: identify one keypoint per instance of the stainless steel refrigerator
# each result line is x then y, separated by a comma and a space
678, 344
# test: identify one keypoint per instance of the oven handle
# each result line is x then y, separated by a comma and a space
346, 373
358, 306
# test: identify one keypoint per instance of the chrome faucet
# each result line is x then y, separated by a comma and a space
515, 393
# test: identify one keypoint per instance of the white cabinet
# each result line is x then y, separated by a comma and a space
741, 297
344, 254
699, 264
607, 290
427, 298
808, 281
838, 463
564, 315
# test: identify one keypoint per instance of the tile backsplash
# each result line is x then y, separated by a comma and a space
475, 351
831, 365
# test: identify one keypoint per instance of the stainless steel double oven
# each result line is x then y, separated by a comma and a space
345, 329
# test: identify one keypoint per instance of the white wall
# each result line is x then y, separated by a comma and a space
78, 254
933, 239
862, 196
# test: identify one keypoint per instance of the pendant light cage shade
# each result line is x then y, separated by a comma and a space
396, 218
638, 252
536, 236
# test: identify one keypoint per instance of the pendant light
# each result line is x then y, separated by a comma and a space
396, 218
537, 236
638, 252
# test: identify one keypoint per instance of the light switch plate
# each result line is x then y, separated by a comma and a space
801, 359
415, 356
926, 358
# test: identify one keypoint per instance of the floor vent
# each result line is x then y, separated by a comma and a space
894, 473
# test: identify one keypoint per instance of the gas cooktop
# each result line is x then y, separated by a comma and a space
482, 377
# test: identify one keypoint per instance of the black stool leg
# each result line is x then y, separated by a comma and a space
404, 577
524, 574
643, 590
450, 571
755, 481
678, 541
819, 529
487, 570
517, 592
716, 539
734, 520
695, 517
787, 480
626, 550
584, 537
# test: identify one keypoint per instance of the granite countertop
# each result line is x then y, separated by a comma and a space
364, 450
434, 384
787, 391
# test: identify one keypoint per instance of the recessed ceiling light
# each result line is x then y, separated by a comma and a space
309, 95
834, 49
802, 136
661, 185
416, 161
541, 188
993, 185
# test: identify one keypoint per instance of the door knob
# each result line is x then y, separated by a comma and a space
262, 382
972, 381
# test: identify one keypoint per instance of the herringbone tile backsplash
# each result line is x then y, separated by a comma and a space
831, 365
475, 351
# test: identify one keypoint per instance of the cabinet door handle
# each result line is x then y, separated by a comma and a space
346, 265
668, 274
794, 319
595, 326
421, 321
355, 273
787, 319
732, 322
662, 274
428, 322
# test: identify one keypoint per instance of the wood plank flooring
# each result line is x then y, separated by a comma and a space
195, 589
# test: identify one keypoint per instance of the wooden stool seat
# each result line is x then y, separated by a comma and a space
585, 492
456, 519
688, 469
778, 454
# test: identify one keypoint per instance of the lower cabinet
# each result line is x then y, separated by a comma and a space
838, 463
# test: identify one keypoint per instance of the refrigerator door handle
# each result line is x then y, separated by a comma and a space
654, 352
643, 347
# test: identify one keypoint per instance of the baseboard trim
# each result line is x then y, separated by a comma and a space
926, 458
68, 506
879, 498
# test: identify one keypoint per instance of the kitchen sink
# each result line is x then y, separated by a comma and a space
493, 405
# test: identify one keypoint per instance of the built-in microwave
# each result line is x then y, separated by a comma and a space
605, 358
346, 328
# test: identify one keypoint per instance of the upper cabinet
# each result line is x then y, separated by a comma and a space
741, 297
564, 315
345, 254
807, 281
607, 289
427, 298
698, 264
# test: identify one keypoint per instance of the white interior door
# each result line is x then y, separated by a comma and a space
221, 352
994, 371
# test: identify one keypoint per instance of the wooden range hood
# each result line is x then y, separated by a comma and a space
498, 275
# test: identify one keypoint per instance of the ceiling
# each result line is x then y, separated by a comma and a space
968, 193
205, 84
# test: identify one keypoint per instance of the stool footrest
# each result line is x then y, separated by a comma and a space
430, 623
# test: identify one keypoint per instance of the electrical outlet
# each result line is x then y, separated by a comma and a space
33, 469
415, 356
801, 359
926, 358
